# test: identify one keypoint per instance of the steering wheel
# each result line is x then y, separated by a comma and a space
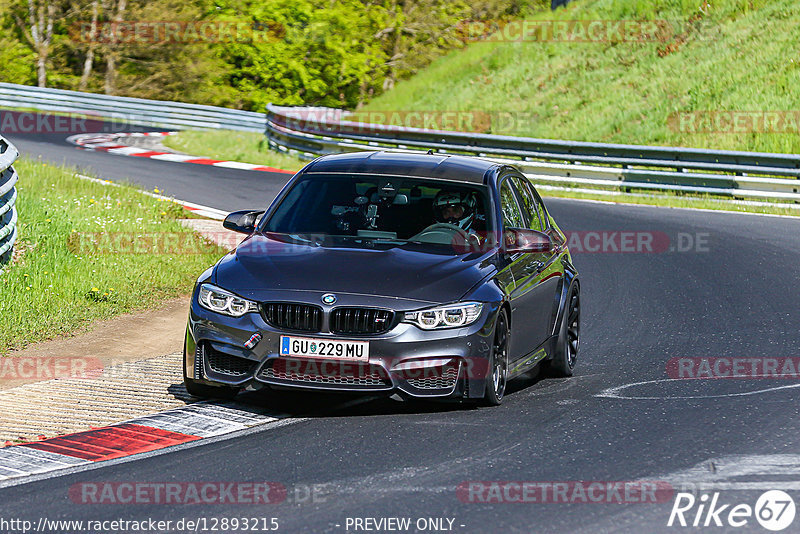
441, 233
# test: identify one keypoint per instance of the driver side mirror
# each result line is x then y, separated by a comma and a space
526, 240
243, 222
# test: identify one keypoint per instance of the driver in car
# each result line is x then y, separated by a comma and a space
457, 209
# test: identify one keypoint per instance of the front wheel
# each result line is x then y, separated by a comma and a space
498, 363
566, 353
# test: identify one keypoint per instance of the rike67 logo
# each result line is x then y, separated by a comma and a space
774, 510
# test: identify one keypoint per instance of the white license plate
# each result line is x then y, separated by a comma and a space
305, 347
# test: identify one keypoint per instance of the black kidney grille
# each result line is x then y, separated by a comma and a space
293, 316
361, 321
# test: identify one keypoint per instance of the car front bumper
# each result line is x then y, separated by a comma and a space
436, 363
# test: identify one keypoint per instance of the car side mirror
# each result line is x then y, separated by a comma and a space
526, 240
242, 221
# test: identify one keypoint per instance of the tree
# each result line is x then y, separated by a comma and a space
317, 52
88, 62
416, 32
38, 31
117, 7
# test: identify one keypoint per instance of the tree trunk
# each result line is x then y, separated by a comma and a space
89, 61
39, 34
111, 58
111, 72
41, 68
397, 34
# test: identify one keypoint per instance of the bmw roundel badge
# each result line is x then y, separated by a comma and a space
328, 298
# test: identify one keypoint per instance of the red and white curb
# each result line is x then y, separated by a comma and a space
141, 435
111, 143
198, 209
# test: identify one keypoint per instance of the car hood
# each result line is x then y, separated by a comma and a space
264, 264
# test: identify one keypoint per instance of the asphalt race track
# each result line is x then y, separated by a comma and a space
223, 188
727, 289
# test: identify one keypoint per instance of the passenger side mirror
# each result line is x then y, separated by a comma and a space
526, 240
242, 221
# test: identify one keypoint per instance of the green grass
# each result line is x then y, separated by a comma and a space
726, 55
59, 284
247, 147
734, 55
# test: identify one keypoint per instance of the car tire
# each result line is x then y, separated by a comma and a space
204, 391
568, 343
498, 363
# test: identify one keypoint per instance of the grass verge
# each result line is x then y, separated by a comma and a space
718, 56
89, 251
246, 147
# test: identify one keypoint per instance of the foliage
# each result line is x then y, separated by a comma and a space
727, 55
315, 52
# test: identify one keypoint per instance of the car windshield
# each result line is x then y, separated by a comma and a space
427, 212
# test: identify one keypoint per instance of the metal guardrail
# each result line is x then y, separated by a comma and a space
8, 199
127, 111
315, 131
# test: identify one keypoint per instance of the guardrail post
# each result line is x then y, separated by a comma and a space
8, 198
266, 125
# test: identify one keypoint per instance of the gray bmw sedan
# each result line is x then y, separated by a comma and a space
419, 274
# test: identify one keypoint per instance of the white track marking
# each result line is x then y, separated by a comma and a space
115, 144
616, 392
203, 420
89, 466
22, 461
194, 417
236, 165
174, 157
739, 472
199, 419
175, 422
103, 144
127, 151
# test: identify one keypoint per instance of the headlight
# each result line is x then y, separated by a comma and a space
450, 316
221, 301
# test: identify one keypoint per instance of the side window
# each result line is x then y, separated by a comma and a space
512, 218
530, 207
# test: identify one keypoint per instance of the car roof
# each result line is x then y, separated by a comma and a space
438, 166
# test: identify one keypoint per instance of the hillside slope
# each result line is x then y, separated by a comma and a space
732, 55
